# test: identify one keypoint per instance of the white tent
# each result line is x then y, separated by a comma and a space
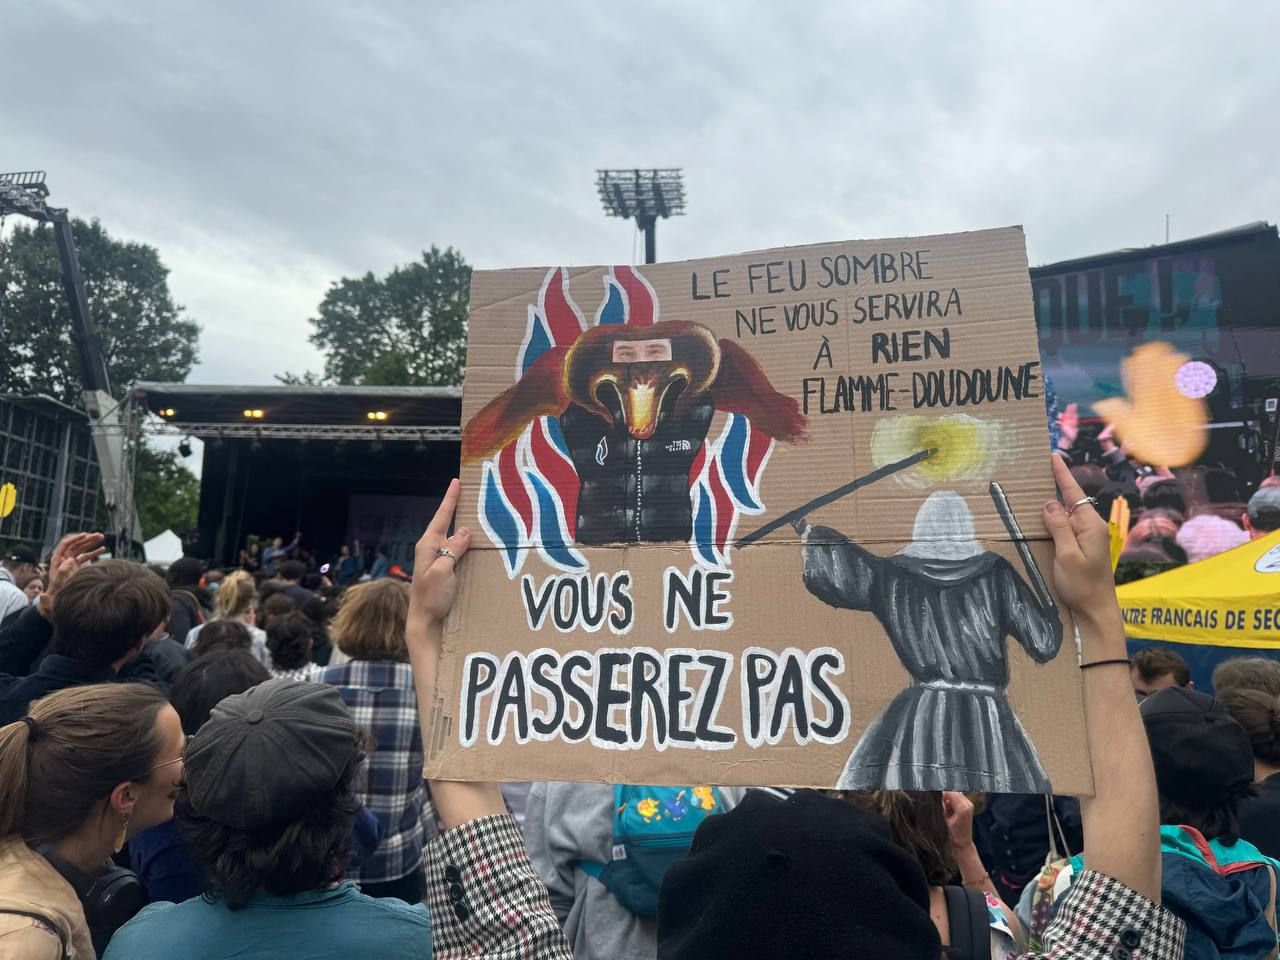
163, 548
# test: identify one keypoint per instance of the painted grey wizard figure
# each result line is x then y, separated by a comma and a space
947, 605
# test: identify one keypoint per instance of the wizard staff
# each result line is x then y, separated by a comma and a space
799, 513
1020, 541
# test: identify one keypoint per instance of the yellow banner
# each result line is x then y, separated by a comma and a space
1231, 600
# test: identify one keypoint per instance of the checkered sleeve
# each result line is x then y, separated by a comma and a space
1102, 918
486, 899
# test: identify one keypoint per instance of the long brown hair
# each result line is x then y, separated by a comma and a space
370, 624
74, 748
918, 823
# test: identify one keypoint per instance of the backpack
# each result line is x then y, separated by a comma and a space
968, 919
653, 827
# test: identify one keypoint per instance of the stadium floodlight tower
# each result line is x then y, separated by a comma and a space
25, 194
645, 195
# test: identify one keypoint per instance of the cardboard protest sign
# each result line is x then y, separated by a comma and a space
759, 520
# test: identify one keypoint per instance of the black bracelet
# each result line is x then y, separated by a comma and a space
1103, 663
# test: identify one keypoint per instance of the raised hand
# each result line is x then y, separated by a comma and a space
435, 560
958, 809
1082, 548
72, 552
1068, 427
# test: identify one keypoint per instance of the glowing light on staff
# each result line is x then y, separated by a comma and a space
965, 448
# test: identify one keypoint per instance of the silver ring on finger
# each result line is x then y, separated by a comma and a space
446, 552
1092, 501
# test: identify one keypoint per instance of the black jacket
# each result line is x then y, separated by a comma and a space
56, 672
635, 490
23, 638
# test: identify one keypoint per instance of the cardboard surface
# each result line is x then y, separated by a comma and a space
626, 428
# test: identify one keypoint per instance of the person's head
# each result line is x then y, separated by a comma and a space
206, 681
273, 607
291, 571
319, 610
344, 551
107, 611
34, 587
236, 597
1203, 762
289, 640
1259, 714
943, 529
1151, 526
1207, 536
1148, 559
919, 824
278, 542
1221, 485
185, 572
23, 563
1247, 673
370, 623
97, 758
254, 548
1262, 515
1169, 494
811, 876
267, 587
213, 579
1156, 668
223, 635
269, 795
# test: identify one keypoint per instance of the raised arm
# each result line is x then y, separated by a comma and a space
484, 896
1121, 820
836, 570
1036, 626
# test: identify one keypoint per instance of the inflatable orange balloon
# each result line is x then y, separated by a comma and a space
1158, 423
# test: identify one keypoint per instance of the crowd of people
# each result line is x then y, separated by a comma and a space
217, 764
1171, 520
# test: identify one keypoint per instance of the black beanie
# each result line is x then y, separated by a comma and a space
810, 877
1202, 757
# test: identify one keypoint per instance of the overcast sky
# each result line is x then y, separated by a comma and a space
268, 147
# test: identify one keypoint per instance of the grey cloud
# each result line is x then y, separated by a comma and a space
267, 147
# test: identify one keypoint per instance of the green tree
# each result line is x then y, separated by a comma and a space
166, 492
145, 335
408, 328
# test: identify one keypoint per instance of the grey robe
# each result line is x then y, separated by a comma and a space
947, 620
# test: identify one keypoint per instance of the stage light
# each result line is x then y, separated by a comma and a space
254, 414
1196, 379
184, 448
167, 412
377, 414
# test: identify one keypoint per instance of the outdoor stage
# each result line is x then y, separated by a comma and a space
338, 464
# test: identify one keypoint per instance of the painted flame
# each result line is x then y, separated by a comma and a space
965, 448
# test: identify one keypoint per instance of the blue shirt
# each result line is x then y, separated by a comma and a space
163, 861
337, 924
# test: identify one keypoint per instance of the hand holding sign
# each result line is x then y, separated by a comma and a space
435, 559
1082, 556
